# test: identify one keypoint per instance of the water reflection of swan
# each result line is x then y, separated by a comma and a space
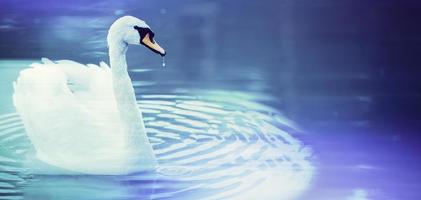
85, 118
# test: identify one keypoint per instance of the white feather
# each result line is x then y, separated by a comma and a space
84, 118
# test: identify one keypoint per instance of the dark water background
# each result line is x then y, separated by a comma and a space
347, 72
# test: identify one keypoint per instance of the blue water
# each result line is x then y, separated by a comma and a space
258, 99
210, 144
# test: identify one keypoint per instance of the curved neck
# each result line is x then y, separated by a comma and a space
130, 115
117, 52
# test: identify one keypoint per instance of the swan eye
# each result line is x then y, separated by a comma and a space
144, 31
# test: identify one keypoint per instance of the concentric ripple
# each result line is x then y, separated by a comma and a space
214, 145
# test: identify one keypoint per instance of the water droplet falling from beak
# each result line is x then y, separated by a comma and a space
163, 61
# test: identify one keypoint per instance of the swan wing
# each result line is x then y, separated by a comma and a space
70, 113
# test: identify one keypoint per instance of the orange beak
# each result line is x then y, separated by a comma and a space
153, 45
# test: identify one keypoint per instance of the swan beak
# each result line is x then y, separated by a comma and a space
153, 45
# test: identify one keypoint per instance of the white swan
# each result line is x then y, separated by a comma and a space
84, 118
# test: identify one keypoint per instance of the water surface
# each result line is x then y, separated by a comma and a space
210, 144
314, 99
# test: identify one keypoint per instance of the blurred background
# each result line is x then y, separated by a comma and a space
346, 71
352, 63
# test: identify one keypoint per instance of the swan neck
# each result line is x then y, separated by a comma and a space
126, 103
117, 53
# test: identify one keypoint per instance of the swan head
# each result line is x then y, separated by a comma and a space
131, 30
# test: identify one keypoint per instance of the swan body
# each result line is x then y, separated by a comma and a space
85, 118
